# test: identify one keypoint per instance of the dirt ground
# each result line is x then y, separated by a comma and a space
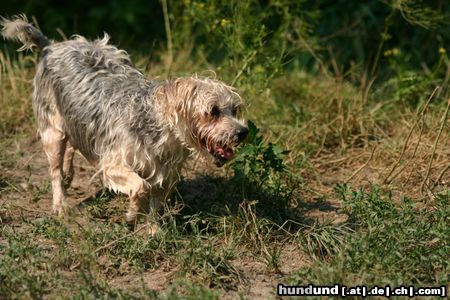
26, 191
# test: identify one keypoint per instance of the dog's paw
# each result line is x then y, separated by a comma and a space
131, 218
153, 229
144, 230
61, 210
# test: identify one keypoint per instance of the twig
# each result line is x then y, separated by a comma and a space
412, 156
405, 145
363, 166
11, 185
384, 34
442, 174
444, 119
61, 33
247, 60
169, 35
446, 79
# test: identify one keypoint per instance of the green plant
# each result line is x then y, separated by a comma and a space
257, 161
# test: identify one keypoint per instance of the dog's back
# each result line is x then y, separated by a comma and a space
85, 88
79, 56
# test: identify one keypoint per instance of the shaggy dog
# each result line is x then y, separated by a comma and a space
89, 97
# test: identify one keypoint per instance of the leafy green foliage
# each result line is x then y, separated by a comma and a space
257, 160
260, 174
250, 36
411, 86
127, 23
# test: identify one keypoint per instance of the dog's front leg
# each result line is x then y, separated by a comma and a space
123, 179
157, 198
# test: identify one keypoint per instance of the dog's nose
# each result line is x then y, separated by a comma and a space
242, 133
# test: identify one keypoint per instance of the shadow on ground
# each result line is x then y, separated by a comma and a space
213, 196
220, 196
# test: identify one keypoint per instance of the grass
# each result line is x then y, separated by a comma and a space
392, 244
258, 209
343, 179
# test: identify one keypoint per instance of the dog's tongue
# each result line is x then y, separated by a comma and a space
226, 153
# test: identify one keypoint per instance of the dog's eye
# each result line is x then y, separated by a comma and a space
234, 111
215, 111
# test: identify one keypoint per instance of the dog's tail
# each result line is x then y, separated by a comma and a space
19, 29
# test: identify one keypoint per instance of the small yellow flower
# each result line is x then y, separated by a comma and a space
442, 50
259, 69
392, 52
224, 22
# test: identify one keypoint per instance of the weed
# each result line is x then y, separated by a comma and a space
257, 161
258, 171
323, 240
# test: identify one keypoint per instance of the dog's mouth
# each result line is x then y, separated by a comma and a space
221, 153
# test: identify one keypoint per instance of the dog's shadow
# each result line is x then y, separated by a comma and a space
221, 197
208, 196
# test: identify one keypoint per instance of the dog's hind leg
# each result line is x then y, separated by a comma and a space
68, 170
54, 143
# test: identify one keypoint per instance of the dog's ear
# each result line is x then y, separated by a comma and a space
181, 93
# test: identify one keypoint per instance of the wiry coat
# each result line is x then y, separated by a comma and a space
89, 96
107, 107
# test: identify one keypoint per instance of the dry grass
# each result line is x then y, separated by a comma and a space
336, 132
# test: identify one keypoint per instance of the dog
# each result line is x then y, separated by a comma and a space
88, 96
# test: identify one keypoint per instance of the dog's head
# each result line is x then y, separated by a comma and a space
207, 116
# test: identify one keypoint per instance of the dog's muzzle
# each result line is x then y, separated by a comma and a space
225, 153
